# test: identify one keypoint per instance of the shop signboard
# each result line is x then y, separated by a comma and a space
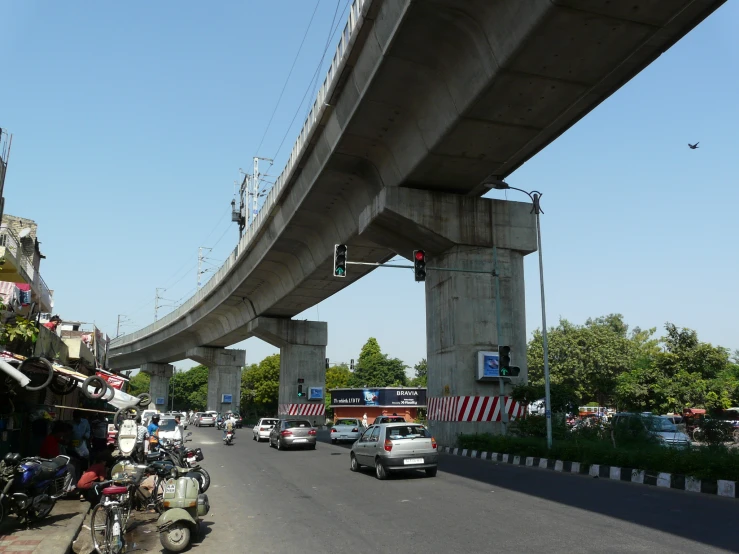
115, 381
381, 397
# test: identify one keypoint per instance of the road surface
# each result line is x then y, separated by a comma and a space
269, 501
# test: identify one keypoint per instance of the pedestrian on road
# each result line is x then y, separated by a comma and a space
364, 420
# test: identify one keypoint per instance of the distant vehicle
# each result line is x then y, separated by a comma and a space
288, 433
263, 427
388, 419
395, 447
346, 429
206, 420
146, 416
239, 421
660, 428
169, 430
195, 417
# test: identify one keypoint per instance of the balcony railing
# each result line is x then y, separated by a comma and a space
348, 38
12, 244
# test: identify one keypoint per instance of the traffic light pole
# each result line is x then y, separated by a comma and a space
377, 264
498, 327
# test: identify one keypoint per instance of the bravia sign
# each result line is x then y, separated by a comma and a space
378, 397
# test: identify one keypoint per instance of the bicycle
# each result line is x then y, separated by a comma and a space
109, 518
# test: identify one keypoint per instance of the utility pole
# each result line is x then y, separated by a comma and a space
255, 187
118, 327
4, 157
156, 304
201, 259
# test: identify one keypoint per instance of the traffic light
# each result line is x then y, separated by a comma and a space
326, 363
506, 369
300, 391
301, 380
340, 260
419, 264
504, 353
351, 365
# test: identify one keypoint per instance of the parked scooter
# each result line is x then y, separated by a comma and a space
31, 486
184, 507
181, 457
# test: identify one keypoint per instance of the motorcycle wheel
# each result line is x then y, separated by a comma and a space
124, 413
41, 365
98, 383
40, 507
62, 386
203, 478
144, 400
176, 537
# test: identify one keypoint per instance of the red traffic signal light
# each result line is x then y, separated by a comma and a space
419, 265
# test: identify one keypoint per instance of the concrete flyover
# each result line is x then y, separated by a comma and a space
424, 102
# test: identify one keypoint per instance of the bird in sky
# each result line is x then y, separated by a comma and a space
693, 146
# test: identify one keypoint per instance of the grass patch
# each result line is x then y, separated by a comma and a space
706, 462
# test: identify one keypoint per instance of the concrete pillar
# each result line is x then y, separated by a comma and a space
224, 375
459, 232
302, 347
160, 374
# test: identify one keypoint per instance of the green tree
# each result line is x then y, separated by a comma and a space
190, 389
260, 386
139, 383
585, 359
338, 377
420, 378
375, 369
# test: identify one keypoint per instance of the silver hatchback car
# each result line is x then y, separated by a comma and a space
287, 433
391, 447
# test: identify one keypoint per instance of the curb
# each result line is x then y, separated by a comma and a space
717, 487
77, 523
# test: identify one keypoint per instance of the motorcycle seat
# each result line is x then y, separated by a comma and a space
50, 467
150, 456
114, 490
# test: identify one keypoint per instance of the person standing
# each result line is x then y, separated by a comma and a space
80, 437
364, 420
153, 430
142, 444
99, 433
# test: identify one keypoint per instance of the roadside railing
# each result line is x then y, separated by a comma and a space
348, 37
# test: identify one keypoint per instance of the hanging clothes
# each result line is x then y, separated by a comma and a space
24, 293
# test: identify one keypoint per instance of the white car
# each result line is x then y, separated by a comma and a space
263, 427
169, 430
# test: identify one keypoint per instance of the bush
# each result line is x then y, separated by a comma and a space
715, 432
708, 462
536, 426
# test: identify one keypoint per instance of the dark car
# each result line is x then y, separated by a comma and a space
388, 419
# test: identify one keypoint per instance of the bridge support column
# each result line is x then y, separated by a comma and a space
461, 232
302, 347
224, 375
159, 374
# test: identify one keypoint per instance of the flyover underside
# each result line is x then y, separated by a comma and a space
440, 95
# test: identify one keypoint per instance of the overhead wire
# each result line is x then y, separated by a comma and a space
310, 85
284, 86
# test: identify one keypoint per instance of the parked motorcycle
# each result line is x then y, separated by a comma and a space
183, 508
228, 439
31, 486
182, 457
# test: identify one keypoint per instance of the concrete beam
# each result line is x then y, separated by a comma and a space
224, 375
404, 220
282, 332
460, 232
159, 374
302, 347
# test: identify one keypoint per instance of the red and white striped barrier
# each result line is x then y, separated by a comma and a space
472, 408
317, 409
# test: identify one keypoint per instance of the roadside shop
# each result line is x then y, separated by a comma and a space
407, 402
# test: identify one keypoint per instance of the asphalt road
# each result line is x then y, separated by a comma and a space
269, 501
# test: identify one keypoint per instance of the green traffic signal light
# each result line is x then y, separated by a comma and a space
340, 254
504, 352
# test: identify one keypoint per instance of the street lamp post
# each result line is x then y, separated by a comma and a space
535, 196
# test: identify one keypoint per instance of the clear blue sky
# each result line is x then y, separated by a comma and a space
132, 119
